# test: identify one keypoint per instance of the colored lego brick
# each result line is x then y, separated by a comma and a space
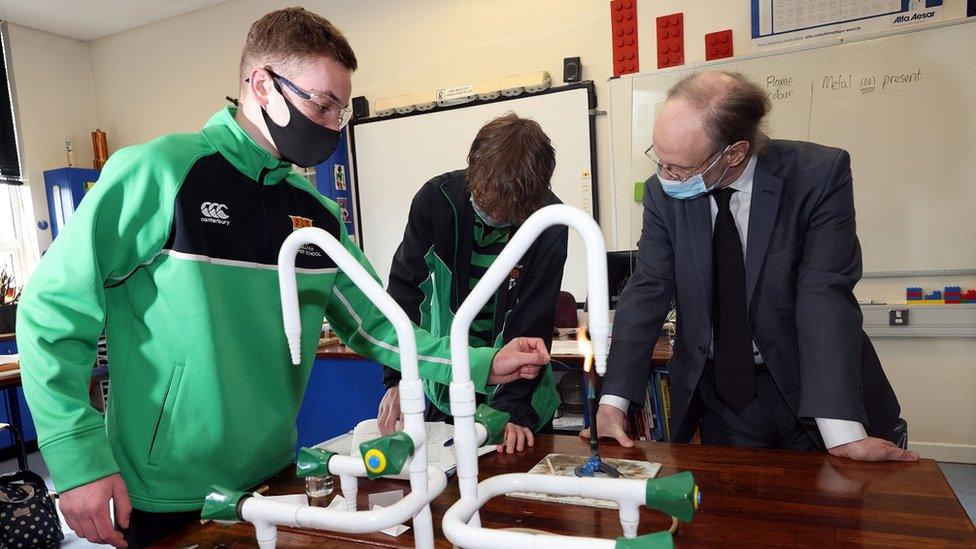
953, 294
969, 294
934, 298
718, 45
670, 40
623, 28
913, 293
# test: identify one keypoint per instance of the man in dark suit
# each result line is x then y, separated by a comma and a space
755, 240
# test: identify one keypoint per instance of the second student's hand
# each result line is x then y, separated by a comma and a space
520, 358
389, 413
517, 438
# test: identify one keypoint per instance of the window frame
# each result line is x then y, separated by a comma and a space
24, 246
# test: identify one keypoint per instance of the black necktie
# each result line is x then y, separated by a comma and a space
735, 369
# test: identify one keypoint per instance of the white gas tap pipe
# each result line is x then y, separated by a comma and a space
462, 389
628, 493
267, 514
411, 390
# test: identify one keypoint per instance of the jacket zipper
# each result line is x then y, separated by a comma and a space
457, 287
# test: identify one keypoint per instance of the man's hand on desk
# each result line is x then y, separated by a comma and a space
517, 438
86, 510
521, 358
610, 422
389, 413
873, 449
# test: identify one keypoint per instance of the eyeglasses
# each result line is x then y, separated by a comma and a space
664, 170
322, 105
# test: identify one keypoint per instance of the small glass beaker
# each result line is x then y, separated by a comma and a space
317, 487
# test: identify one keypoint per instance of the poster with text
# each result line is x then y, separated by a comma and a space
778, 24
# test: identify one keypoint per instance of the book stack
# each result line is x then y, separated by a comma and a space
653, 421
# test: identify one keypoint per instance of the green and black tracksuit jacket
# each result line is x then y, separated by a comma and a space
174, 254
433, 272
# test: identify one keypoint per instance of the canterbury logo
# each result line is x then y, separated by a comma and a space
214, 210
214, 213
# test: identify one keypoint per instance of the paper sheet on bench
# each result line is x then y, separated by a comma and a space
565, 465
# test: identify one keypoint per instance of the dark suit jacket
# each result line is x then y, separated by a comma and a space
802, 261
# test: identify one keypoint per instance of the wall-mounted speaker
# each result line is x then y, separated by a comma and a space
572, 70
360, 107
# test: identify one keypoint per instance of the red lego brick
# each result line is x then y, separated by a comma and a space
670, 40
623, 27
718, 45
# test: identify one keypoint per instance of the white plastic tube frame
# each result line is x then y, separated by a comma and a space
425, 482
466, 437
628, 493
266, 515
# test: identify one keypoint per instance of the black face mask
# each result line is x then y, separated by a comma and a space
301, 142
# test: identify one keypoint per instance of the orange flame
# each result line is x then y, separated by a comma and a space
585, 348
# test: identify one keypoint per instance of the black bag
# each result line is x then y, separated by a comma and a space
28, 516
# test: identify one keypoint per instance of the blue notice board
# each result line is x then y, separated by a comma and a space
332, 178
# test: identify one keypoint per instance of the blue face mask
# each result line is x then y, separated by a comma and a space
484, 217
693, 186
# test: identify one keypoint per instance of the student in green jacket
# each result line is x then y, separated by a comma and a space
173, 254
458, 224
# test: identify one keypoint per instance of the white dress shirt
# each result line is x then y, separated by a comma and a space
834, 431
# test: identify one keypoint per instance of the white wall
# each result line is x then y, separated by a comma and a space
935, 379
170, 76
53, 93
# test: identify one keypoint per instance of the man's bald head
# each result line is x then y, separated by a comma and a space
729, 107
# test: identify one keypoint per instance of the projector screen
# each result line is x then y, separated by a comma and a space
394, 157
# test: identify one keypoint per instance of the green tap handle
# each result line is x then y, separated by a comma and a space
657, 540
676, 495
387, 455
494, 422
221, 504
313, 462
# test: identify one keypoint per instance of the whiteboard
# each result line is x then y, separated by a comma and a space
394, 157
903, 105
